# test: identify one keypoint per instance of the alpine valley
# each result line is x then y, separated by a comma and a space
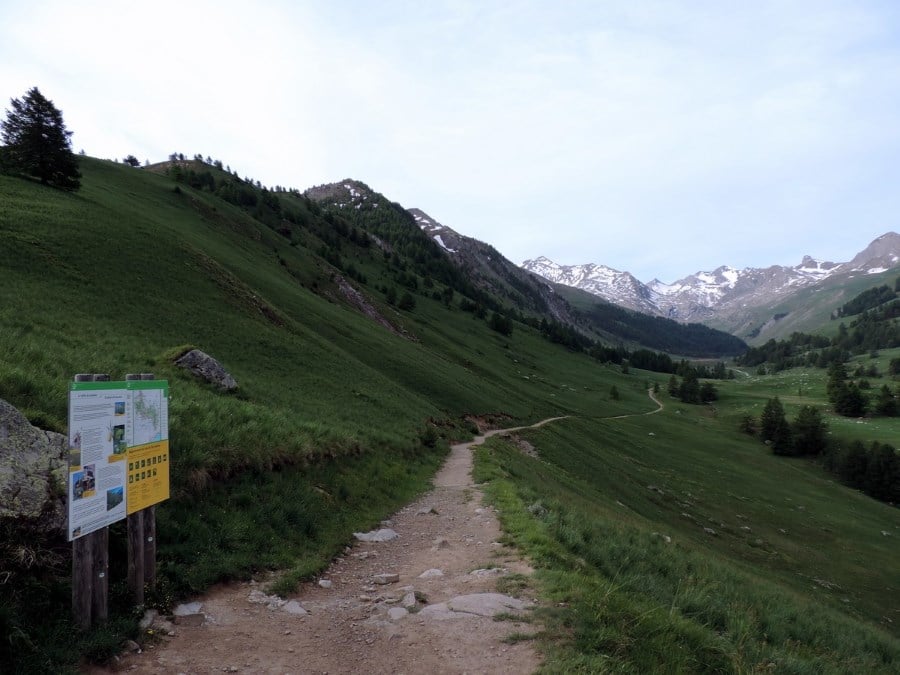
753, 303
664, 528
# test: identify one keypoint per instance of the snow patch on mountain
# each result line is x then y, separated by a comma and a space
442, 235
441, 243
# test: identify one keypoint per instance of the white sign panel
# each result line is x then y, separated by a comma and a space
97, 455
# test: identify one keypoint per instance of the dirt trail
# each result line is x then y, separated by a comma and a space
359, 626
651, 412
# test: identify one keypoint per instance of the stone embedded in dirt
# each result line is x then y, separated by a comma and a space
384, 534
386, 578
187, 608
190, 619
257, 597
148, 619
397, 613
426, 511
325, 583
440, 543
295, 608
488, 572
475, 604
207, 368
409, 600
131, 646
431, 574
486, 604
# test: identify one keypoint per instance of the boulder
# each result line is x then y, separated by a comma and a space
32, 470
207, 368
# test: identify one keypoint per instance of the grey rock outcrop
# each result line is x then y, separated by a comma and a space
32, 470
207, 368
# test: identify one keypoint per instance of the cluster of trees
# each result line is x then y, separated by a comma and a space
806, 436
36, 143
851, 399
691, 390
800, 349
659, 362
869, 299
874, 470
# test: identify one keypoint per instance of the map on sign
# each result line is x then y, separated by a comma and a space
147, 423
148, 450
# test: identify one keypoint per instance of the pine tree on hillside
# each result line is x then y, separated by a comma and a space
886, 403
37, 143
774, 427
809, 431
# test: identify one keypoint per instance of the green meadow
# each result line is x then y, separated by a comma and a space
338, 421
674, 543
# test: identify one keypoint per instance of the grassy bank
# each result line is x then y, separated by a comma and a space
670, 543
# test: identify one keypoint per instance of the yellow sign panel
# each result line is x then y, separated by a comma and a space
148, 475
147, 431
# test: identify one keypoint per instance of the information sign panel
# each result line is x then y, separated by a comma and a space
147, 434
97, 455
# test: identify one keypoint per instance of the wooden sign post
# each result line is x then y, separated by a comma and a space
90, 563
142, 536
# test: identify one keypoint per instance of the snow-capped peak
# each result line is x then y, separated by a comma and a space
700, 295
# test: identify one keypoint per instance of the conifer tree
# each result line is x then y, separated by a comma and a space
37, 143
809, 431
774, 427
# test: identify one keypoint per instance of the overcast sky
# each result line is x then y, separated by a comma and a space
658, 137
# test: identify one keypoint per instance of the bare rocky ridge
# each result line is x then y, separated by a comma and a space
422, 601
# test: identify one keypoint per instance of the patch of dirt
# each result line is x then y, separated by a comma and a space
357, 625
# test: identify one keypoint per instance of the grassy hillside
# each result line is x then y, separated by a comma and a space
125, 273
809, 310
674, 543
338, 420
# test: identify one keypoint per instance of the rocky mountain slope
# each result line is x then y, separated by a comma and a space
464, 270
723, 295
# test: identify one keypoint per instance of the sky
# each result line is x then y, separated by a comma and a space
658, 137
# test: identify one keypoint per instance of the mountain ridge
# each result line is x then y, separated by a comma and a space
714, 295
521, 294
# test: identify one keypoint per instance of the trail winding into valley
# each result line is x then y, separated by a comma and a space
424, 601
650, 412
